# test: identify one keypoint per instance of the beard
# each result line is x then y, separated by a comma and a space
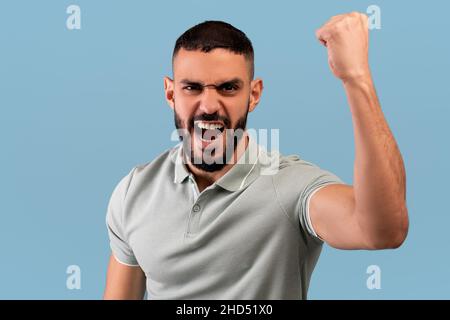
232, 136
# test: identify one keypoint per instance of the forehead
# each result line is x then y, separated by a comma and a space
210, 66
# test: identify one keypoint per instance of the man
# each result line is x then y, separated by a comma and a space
198, 223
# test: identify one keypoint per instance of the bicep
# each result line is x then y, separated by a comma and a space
124, 282
332, 214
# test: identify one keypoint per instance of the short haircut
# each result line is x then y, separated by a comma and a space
210, 35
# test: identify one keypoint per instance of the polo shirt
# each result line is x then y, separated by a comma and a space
246, 236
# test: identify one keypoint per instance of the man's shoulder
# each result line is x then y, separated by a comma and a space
291, 172
282, 165
294, 179
158, 169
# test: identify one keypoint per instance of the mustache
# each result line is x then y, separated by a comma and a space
210, 117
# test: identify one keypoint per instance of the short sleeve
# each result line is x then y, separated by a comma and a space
114, 223
320, 179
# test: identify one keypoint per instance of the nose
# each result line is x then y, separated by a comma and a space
209, 102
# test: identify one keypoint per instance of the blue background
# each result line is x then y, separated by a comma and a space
80, 108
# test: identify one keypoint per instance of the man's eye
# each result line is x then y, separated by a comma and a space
228, 87
192, 88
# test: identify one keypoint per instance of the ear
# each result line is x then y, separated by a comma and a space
256, 88
169, 91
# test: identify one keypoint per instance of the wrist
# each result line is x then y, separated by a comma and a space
359, 80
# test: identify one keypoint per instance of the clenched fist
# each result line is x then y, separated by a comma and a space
346, 38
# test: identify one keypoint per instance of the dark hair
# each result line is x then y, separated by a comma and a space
210, 35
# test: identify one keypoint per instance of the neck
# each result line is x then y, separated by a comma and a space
204, 179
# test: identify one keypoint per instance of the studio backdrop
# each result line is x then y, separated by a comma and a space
82, 102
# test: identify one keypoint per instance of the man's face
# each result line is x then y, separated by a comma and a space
211, 95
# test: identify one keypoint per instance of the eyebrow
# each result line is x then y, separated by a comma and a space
233, 81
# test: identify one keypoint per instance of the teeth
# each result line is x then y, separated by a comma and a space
209, 126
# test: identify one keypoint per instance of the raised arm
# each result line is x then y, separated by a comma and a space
371, 214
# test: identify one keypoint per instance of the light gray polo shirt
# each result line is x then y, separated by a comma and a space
246, 236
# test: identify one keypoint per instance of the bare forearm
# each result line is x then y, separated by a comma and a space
379, 173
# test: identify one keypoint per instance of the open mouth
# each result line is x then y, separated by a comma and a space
208, 130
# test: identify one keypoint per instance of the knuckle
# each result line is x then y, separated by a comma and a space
319, 32
342, 24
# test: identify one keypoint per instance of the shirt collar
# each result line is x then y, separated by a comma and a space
180, 171
241, 174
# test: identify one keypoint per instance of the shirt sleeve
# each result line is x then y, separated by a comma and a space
321, 178
115, 225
